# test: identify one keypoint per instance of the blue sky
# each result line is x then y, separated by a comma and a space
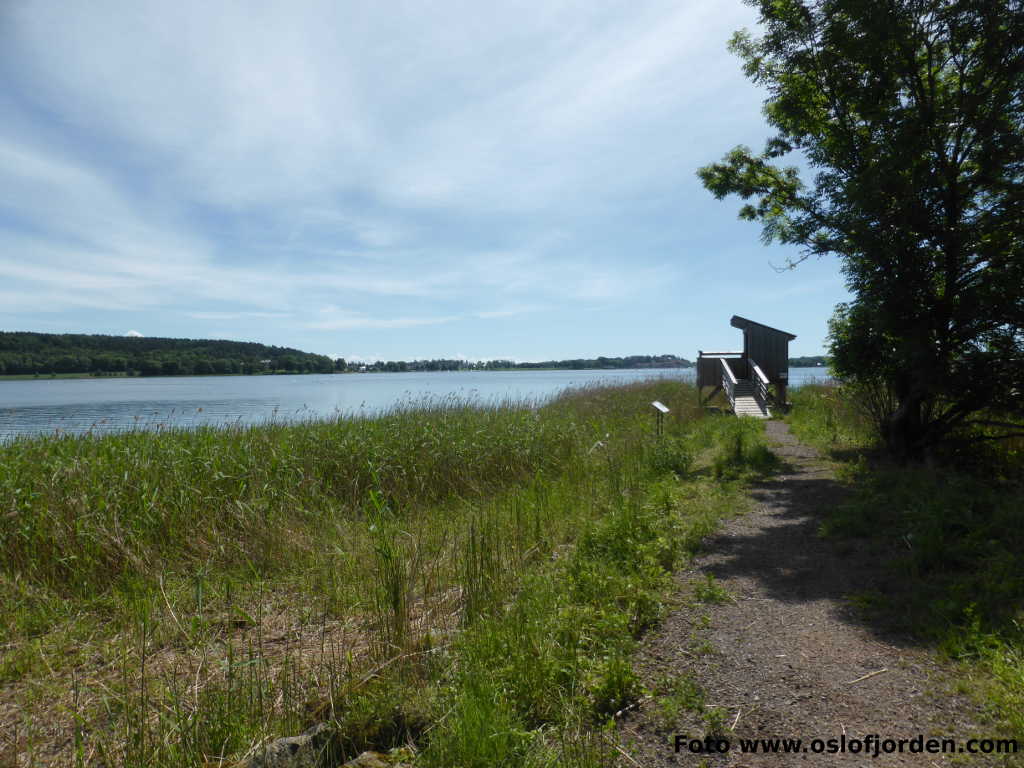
387, 180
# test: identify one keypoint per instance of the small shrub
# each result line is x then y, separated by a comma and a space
670, 454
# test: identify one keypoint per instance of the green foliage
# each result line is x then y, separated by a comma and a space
709, 590
597, 363
79, 511
27, 354
910, 118
472, 580
715, 719
49, 353
740, 449
395, 563
831, 418
808, 361
671, 454
957, 543
675, 697
559, 653
952, 540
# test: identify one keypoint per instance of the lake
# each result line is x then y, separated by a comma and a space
75, 406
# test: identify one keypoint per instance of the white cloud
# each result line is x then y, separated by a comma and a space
449, 104
354, 166
235, 315
134, 334
494, 314
333, 318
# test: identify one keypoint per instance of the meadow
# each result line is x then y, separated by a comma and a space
462, 583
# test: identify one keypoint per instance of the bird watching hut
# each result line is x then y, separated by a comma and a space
754, 378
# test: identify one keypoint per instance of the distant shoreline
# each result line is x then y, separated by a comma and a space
53, 376
519, 368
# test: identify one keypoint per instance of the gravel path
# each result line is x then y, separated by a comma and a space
788, 656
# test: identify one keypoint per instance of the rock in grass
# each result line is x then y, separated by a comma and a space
316, 748
313, 749
369, 760
376, 760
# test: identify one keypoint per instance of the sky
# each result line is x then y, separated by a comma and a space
391, 181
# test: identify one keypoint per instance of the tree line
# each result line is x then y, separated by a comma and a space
43, 354
71, 353
444, 364
26, 353
807, 362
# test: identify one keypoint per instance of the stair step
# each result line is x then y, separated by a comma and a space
747, 405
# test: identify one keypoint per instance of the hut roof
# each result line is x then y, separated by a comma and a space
744, 324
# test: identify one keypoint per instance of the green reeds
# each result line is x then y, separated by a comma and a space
200, 590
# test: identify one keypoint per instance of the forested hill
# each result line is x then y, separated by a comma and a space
807, 362
24, 353
50, 353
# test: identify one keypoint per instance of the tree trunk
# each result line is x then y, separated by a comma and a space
905, 430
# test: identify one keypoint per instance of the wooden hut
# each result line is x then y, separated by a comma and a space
754, 378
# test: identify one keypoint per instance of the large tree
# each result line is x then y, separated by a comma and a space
906, 117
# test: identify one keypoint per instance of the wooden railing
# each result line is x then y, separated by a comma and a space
729, 383
760, 383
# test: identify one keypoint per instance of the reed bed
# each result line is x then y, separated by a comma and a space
461, 581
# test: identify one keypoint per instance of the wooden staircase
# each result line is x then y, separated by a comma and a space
745, 401
748, 397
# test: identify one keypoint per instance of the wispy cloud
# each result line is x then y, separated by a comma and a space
235, 315
316, 168
494, 314
333, 318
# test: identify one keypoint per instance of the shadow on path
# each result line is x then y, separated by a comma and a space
789, 656
779, 548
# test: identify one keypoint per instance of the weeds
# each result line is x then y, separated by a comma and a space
715, 719
675, 698
710, 591
740, 449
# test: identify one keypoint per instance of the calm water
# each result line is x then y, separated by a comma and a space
103, 405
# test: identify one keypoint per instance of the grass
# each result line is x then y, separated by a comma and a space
28, 376
950, 534
466, 581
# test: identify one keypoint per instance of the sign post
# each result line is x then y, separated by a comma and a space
660, 410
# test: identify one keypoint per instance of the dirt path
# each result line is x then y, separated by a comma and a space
787, 655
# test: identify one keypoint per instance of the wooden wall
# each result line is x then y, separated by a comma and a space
709, 370
769, 349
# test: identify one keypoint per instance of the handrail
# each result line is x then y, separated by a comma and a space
728, 370
761, 382
759, 372
729, 383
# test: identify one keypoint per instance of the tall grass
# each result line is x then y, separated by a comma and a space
827, 416
80, 511
469, 580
